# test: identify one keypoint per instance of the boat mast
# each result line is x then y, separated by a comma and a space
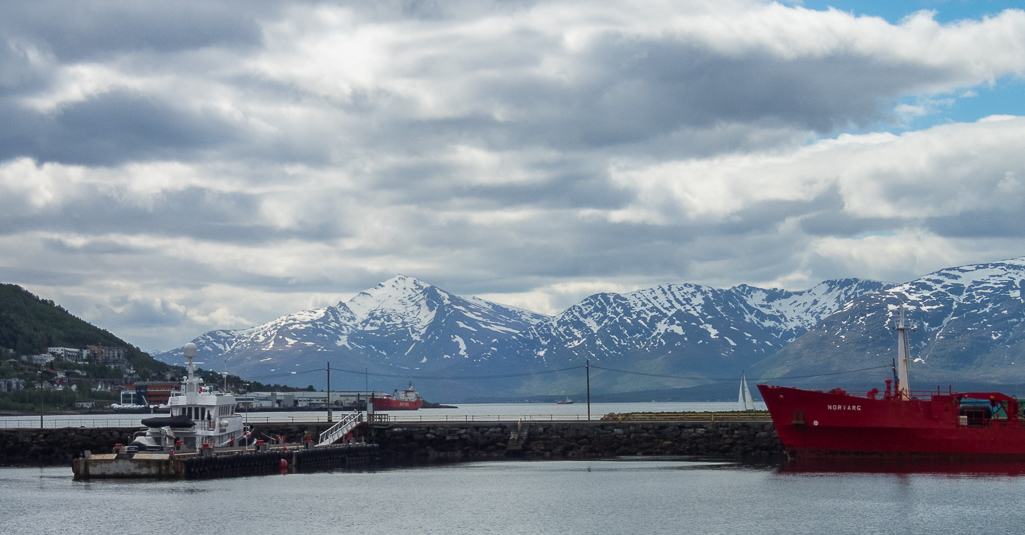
903, 355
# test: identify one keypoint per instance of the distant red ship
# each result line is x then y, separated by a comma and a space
407, 400
896, 423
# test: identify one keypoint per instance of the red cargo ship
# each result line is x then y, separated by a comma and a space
407, 400
896, 423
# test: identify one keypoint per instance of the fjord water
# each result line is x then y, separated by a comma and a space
462, 412
627, 496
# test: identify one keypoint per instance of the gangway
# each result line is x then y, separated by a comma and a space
340, 429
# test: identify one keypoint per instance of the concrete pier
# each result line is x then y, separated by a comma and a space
225, 463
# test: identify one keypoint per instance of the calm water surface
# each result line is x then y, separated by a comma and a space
558, 497
462, 412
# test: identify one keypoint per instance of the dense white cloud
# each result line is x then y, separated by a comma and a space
173, 169
947, 170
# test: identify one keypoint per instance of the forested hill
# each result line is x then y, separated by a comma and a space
29, 325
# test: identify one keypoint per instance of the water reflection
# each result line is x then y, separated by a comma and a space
948, 467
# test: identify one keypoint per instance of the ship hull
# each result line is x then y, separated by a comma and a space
814, 424
385, 404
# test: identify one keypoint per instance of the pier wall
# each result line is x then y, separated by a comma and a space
452, 441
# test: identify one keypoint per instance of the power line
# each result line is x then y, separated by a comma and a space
726, 379
462, 377
420, 377
829, 374
284, 374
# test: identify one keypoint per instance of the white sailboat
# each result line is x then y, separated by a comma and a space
744, 400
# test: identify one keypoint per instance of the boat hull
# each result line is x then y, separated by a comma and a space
386, 404
814, 424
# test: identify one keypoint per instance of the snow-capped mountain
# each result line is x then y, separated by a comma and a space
689, 328
460, 347
969, 327
402, 324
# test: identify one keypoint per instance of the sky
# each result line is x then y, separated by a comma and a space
172, 168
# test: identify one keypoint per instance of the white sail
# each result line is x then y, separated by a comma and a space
744, 399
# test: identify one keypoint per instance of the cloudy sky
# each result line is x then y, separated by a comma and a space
170, 168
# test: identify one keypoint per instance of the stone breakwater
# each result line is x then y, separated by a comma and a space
575, 440
57, 446
453, 441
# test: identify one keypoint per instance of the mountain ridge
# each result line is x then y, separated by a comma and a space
970, 322
406, 327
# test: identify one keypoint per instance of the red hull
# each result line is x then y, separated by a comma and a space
388, 404
407, 400
827, 424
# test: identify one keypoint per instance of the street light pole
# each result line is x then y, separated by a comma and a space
588, 390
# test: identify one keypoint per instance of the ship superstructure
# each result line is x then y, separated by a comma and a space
200, 416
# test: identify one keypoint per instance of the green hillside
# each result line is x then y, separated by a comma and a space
29, 325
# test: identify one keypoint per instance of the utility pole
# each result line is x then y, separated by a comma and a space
588, 367
40, 399
328, 392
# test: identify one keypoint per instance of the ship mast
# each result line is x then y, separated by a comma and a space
903, 354
191, 382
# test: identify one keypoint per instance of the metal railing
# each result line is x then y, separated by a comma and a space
733, 416
64, 422
428, 418
336, 431
50, 422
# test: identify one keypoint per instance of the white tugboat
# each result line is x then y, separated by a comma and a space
200, 417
